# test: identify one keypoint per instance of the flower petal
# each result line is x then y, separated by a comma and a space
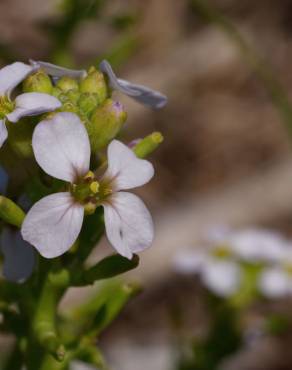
141, 93
128, 224
32, 104
61, 146
274, 283
221, 277
3, 132
3, 180
189, 262
53, 224
19, 256
12, 75
58, 71
125, 168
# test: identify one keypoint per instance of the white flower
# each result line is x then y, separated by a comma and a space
19, 256
62, 149
140, 93
221, 275
27, 104
275, 281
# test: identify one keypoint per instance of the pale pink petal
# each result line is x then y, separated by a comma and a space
33, 104
125, 169
12, 75
3, 132
53, 224
128, 224
61, 146
190, 262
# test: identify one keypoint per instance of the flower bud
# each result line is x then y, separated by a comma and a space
88, 102
10, 212
66, 83
38, 82
105, 123
147, 145
73, 96
94, 83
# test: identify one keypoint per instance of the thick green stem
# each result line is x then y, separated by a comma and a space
44, 322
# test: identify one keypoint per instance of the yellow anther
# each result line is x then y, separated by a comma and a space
89, 176
94, 186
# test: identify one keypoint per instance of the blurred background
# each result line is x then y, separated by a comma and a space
226, 160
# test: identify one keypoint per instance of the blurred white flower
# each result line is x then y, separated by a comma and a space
218, 270
222, 261
27, 104
62, 149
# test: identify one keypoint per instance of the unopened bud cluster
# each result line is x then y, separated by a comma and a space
88, 97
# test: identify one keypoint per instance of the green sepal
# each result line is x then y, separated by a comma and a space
38, 82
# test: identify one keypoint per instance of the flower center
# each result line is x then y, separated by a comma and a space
6, 106
288, 268
221, 251
90, 193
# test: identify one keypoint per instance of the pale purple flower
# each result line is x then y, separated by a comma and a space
27, 104
62, 149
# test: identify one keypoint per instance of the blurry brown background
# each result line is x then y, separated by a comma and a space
226, 158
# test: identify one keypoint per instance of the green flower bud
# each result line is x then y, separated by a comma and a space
56, 92
105, 123
147, 145
88, 102
73, 96
38, 82
68, 106
10, 212
66, 83
94, 83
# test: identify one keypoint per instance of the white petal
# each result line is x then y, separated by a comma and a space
274, 283
12, 75
58, 71
141, 93
32, 104
61, 146
189, 262
221, 277
3, 132
19, 256
125, 168
3, 180
128, 224
53, 224
258, 245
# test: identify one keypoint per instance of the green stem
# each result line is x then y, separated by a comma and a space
44, 322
